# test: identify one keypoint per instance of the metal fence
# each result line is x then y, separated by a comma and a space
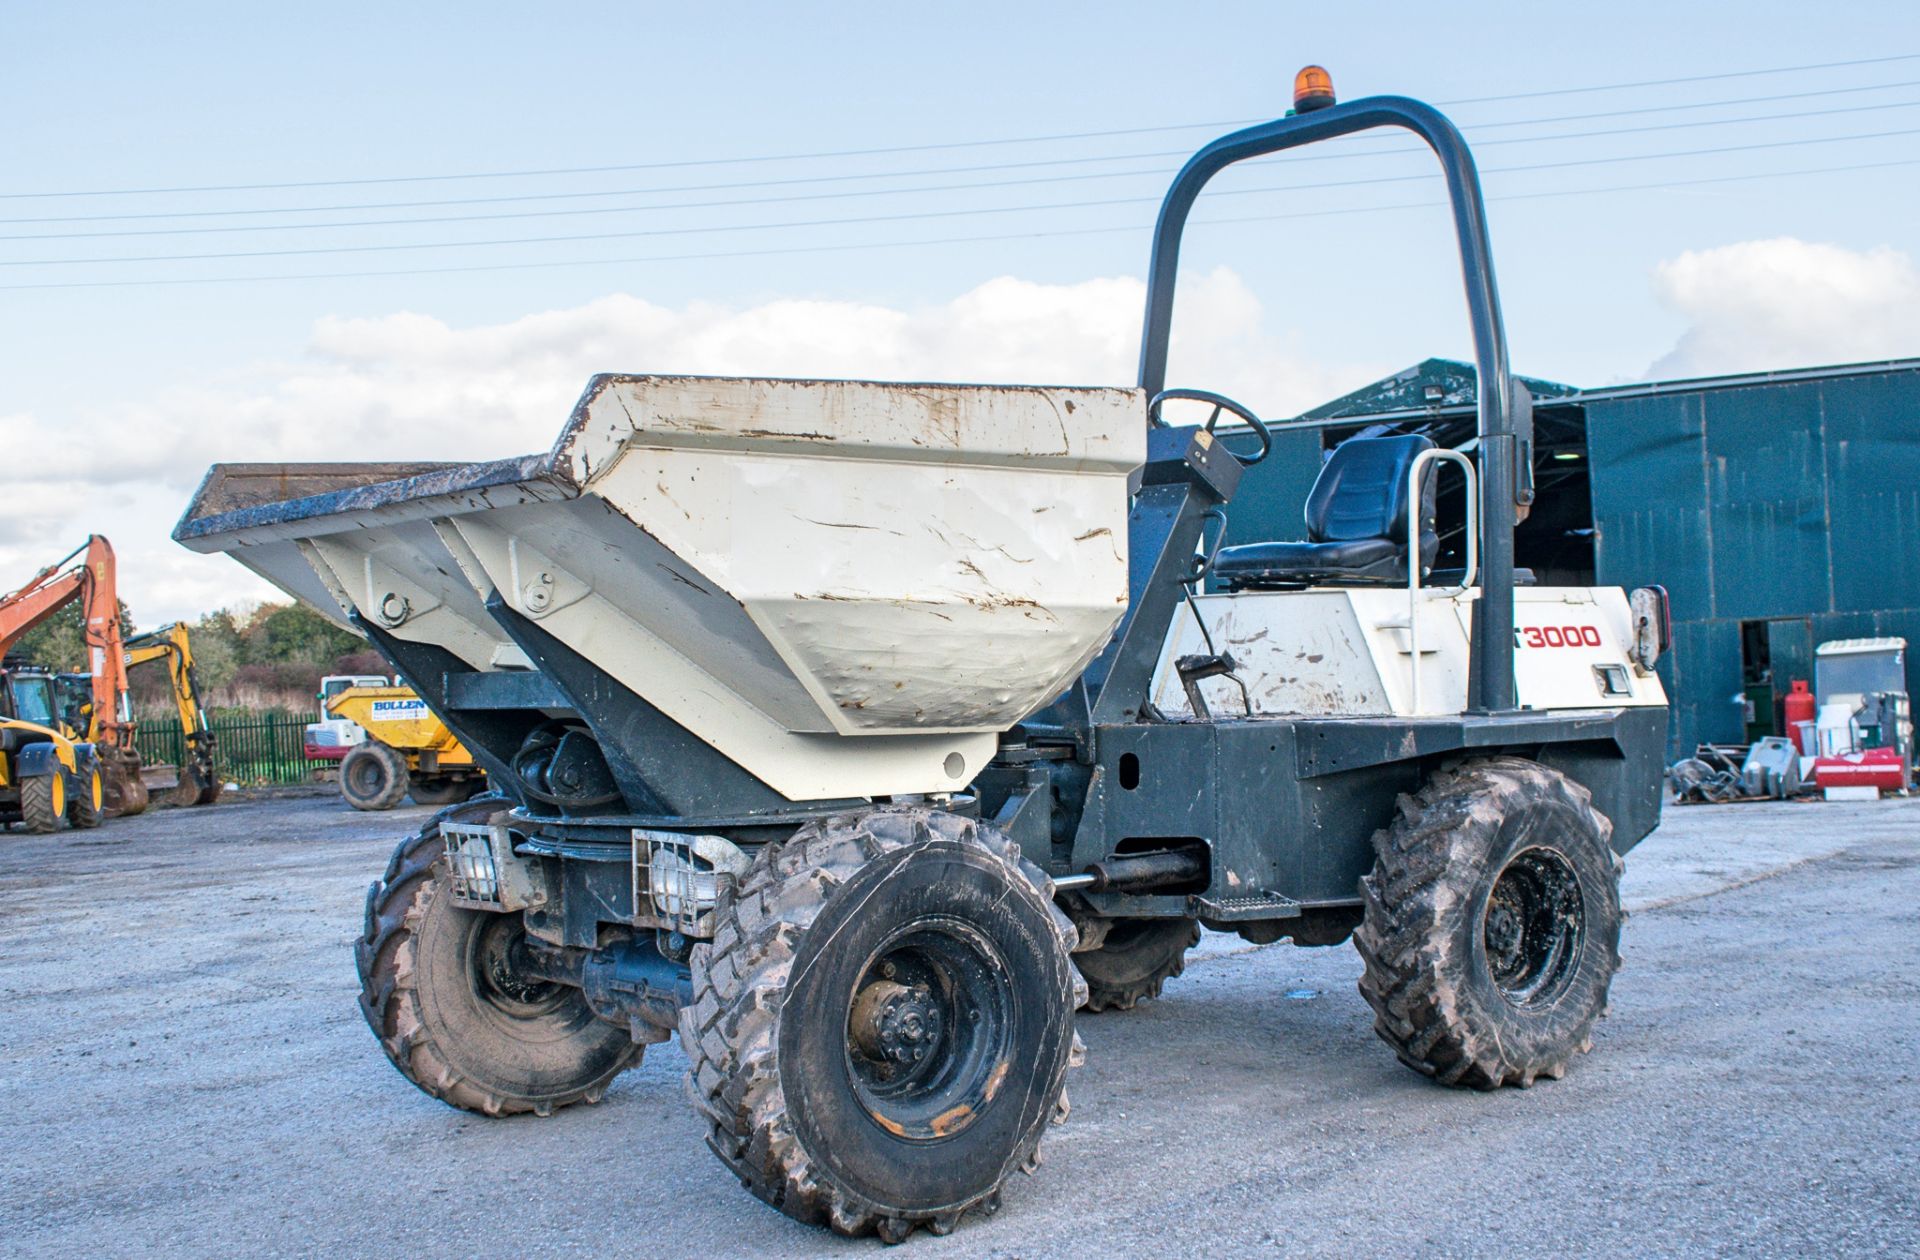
253, 747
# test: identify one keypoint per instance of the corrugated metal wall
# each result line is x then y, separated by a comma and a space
1796, 501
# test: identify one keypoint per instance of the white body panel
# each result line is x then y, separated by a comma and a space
849, 588
1347, 652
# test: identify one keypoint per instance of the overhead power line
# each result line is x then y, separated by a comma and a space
863, 220
1685, 78
919, 148
849, 177
909, 190
1043, 233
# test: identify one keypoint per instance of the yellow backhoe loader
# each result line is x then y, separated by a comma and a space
198, 780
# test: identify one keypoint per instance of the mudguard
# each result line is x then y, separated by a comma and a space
38, 759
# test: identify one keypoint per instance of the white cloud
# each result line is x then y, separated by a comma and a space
410, 386
1785, 303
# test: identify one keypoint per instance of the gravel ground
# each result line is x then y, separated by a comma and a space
184, 1072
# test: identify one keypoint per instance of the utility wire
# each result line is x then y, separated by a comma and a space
860, 220
1690, 78
1685, 105
437, 203
910, 190
950, 240
919, 148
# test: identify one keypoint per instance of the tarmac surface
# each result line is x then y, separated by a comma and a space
184, 1072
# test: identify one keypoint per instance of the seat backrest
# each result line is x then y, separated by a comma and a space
1362, 491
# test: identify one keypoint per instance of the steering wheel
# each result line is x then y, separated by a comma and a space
1220, 403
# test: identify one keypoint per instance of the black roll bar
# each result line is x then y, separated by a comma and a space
1490, 685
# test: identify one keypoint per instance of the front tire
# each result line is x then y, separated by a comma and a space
1492, 925
451, 1017
883, 1022
43, 802
373, 776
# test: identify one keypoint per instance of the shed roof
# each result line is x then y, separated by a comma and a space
1402, 396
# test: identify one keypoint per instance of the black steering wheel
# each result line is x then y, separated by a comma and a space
1220, 403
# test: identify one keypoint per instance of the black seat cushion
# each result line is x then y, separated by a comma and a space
1298, 563
1356, 517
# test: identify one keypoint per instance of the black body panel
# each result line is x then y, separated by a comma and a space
1287, 807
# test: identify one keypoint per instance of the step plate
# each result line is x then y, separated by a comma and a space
1259, 905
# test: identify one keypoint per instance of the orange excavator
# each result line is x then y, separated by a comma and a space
86, 574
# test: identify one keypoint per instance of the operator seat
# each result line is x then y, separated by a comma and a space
1356, 524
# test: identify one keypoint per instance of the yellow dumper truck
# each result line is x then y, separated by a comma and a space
390, 745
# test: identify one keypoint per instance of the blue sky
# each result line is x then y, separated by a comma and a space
1602, 283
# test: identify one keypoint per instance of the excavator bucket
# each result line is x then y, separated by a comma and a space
194, 783
846, 587
123, 781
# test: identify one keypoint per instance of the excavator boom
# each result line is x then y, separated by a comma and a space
45, 593
199, 780
87, 574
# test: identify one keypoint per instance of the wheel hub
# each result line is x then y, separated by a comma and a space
929, 1028
502, 976
896, 1024
1504, 932
1533, 929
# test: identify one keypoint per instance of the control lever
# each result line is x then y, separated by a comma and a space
1208, 665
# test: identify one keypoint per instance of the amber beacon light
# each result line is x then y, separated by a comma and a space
1312, 89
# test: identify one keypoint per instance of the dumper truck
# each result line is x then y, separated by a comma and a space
863, 733
333, 737
390, 746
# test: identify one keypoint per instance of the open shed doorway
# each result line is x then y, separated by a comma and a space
1555, 543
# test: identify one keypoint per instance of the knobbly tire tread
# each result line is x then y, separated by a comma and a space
382, 956
1428, 865
37, 813
1116, 982
440, 792
730, 1031
82, 813
392, 792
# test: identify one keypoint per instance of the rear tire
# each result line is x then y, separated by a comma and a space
1137, 959
87, 805
883, 1022
1492, 927
442, 790
373, 776
43, 802
456, 1027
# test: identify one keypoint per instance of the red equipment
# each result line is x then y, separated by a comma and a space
1799, 704
1882, 768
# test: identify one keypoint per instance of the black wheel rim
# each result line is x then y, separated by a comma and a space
367, 776
499, 980
929, 1029
1534, 928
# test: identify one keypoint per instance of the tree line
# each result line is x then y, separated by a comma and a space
265, 656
